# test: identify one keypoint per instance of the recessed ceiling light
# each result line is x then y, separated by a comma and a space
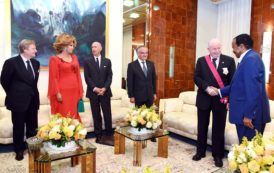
124, 20
272, 6
134, 15
128, 3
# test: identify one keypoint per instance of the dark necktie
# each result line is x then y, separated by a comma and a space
214, 62
97, 62
144, 68
30, 69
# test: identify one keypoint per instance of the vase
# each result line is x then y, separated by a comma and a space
68, 146
136, 131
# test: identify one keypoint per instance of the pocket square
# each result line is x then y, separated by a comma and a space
105, 66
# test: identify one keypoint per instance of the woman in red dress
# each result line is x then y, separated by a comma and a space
65, 85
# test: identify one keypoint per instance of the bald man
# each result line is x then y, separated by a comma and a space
209, 69
98, 76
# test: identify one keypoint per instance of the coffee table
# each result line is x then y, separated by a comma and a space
40, 161
139, 142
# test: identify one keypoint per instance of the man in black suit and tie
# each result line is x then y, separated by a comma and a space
141, 79
98, 76
19, 79
214, 70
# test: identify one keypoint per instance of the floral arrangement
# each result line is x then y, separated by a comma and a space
60, 130
255, 156
143, 117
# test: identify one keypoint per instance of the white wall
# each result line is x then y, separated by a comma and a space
127, 49
115, 41
206, 26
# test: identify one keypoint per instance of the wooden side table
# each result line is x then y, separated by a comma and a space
139, 143
41, 162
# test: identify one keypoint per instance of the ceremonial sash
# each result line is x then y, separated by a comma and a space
216, 75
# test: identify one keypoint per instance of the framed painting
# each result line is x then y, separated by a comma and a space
42, 21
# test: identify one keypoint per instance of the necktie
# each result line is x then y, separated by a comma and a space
97, 62
144, 68
30, 69
214, 62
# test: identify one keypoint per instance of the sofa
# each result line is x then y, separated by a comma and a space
120, 106
180, 117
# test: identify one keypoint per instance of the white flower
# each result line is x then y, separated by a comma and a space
71, 127
251, 153
83, 132
144, 113
225, 71
135, 112
155, 125
241, 158
149, 125
133, 123
56, 128
231, 155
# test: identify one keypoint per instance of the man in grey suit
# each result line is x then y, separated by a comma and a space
19, 79
98, 76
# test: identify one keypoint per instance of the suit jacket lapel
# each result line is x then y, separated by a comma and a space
26, 75
139, 68
93, 62
220, 65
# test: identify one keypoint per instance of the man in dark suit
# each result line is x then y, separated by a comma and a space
204, 78
141, 79
249, 105
19, 79
98, 76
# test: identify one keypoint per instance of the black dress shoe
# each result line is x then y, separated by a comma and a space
198, 156
153, 140
218, 162
107, 140
19, 156
98, 139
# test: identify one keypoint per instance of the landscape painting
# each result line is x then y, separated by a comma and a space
42, 21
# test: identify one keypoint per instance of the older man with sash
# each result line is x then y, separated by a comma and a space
213, 70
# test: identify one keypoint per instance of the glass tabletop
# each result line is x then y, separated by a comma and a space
84, 147
125, 131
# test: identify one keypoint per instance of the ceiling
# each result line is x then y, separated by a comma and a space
136, 6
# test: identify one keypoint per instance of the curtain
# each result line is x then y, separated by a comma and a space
233, 19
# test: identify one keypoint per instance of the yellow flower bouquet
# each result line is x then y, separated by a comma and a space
60, 130
143, 117
255, 156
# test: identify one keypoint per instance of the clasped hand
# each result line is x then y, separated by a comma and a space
100, 91
212, 91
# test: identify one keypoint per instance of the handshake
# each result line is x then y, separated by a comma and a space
212, 91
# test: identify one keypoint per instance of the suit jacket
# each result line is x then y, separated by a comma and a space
19, 86
247, 92
139, 86
203, 78
95, 77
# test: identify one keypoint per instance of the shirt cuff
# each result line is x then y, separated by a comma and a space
220, 94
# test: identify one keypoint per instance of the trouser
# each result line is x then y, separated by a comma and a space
218, 130
243, 130
19, 121
98, 103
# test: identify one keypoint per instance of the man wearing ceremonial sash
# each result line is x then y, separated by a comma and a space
213, 70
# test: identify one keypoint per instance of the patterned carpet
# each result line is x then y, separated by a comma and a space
179, 160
